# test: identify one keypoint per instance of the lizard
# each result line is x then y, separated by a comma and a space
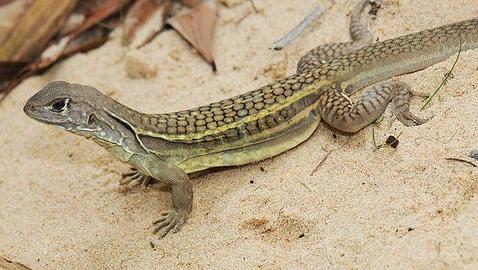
259, 124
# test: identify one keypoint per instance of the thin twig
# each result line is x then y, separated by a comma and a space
326, 156
448, 75
462, 160
320, 163
254, 6
374, 140
297, 30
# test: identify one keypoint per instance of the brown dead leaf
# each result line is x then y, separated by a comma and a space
197, 26
83, 10
191, 3
11, 12
12, 73
88, 40
10, 69
98, 11
40, 22
144, 20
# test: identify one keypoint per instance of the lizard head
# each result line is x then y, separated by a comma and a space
66, 105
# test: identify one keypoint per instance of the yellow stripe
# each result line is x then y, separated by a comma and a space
265, 112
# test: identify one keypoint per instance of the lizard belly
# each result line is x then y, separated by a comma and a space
254, 152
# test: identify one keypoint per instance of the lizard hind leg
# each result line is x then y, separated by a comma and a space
359, 32
338, 110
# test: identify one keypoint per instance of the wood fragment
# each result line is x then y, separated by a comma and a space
40, 22
144, 20
297, 30
321, 163
196, 26
463, 161
6, 264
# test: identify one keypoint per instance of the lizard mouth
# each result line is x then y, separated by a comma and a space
37, 114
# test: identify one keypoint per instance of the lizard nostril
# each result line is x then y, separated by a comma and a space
28, 108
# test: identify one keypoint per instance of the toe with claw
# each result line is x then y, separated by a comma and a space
170, 221
135, 178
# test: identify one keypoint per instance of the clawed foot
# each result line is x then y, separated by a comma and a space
135, 178
409, 119
169, 221
401, 107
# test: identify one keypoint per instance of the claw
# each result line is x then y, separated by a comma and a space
169, 222
418, 94
135, 178
134, 183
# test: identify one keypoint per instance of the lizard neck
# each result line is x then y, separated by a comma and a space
113, 129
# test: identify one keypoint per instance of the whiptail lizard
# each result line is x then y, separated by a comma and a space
258, 124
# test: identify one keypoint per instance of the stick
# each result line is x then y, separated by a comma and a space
297, 30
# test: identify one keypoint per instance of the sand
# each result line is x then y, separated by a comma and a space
61, 206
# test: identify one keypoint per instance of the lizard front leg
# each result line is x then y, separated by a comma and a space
135, 178
182, 192
339, 111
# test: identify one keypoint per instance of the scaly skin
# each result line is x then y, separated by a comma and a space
258, 124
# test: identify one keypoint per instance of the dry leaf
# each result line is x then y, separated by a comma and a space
82, 10
144, 20
38, 25
88, 40
17, 72
101, 10
197, 26
9, 69
191, 3
10, 12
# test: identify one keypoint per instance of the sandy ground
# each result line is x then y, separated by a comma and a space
410, 208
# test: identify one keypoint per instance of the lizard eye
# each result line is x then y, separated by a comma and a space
59, 105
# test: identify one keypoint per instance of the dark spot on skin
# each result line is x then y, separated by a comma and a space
301, 235
410, 229
335, 136
251, 182
262, 169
